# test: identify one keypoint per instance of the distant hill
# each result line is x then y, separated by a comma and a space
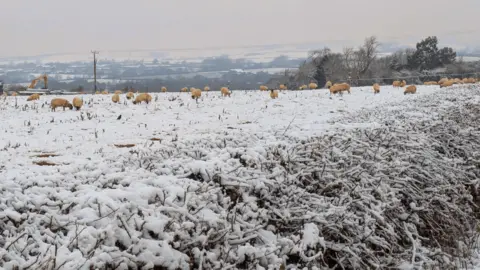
256, 53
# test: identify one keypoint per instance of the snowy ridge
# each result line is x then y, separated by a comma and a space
245, 182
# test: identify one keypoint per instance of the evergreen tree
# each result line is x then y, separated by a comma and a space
319, 62
427, 55
447, 56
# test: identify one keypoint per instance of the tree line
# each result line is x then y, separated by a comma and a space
363, 65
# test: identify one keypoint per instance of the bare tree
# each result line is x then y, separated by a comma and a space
322, 65
348, 58
368, 53
335, 68
305, 72
358, 62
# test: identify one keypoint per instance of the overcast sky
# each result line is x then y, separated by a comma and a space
61, 26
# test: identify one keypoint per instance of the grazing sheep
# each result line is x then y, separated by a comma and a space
312, 86
442, 80
196, 94
334, 89
282, 87
143, 97
206, 89
328, 84
303, 87
104, 92
396, 83
184, 89
376, 88
33, 97
273, 94
164, 89
130, 95
470, 80
116, 98
118, 92
263, 88
447, 83
344, 87
225, 91
403, 83
77, 103
60, 102
339, 88
457, 81
411, 89
431, 83
97, 93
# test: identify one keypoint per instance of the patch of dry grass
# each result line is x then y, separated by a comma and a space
46, 155
44, 163
129, 145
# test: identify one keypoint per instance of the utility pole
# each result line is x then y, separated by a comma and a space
95, 70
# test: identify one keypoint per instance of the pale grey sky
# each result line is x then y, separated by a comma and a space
61, 26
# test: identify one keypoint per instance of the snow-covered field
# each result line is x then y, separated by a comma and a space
306, 180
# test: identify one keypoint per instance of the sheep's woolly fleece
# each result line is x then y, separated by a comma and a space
304, 181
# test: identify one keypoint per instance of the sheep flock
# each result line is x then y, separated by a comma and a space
318, 177
337, 88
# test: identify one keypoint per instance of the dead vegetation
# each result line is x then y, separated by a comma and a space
44, 163
46, 155
128, 145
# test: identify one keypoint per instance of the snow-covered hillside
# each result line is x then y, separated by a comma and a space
306, 180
